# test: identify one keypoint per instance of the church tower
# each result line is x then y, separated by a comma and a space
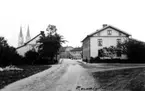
28, 38
29, 46
20, 39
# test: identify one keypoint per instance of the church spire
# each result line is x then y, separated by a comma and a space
20, 39
28, 35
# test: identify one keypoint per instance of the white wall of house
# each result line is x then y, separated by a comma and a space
107, 40
86, 49
76, 54
90, 45
94, 46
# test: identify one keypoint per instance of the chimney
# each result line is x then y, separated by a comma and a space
104, 25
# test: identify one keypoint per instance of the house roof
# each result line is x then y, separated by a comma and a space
108, 26
76, 49
63, 49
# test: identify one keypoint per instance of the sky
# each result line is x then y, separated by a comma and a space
74, 19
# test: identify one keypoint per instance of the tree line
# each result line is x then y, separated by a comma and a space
46, 53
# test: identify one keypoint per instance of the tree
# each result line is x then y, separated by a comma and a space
50, 44
3, 42
3, 51
3, 45
31, 57
8, 54
134, 49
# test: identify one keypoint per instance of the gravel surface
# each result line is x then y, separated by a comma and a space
38, 82
72, 75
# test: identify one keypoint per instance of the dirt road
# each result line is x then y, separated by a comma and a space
70, 75
63, 77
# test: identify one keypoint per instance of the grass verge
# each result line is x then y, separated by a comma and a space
132, 79
7, 77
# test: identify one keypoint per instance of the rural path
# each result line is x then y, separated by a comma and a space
70, 75
66, 76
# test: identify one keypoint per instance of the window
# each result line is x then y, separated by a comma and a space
118, 53
119, 34
109, 32
118, 41
99, 42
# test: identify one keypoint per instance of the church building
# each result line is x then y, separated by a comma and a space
21, 42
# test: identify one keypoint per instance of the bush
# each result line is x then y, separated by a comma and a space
31, 57
98, 60
94, 60
135, 50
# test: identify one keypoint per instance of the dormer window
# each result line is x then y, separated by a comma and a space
109, 32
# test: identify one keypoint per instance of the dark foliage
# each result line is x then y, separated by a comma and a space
110, 52
95, 60
135, 50
31, 57
98, 60
49, 45
8, 54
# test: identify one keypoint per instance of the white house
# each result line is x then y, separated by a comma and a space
64, 52
76, 53
105, 37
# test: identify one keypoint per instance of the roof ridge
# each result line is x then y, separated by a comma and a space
98, 30
120, 30
107, 27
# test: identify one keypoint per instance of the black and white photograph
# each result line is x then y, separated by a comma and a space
72, 45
